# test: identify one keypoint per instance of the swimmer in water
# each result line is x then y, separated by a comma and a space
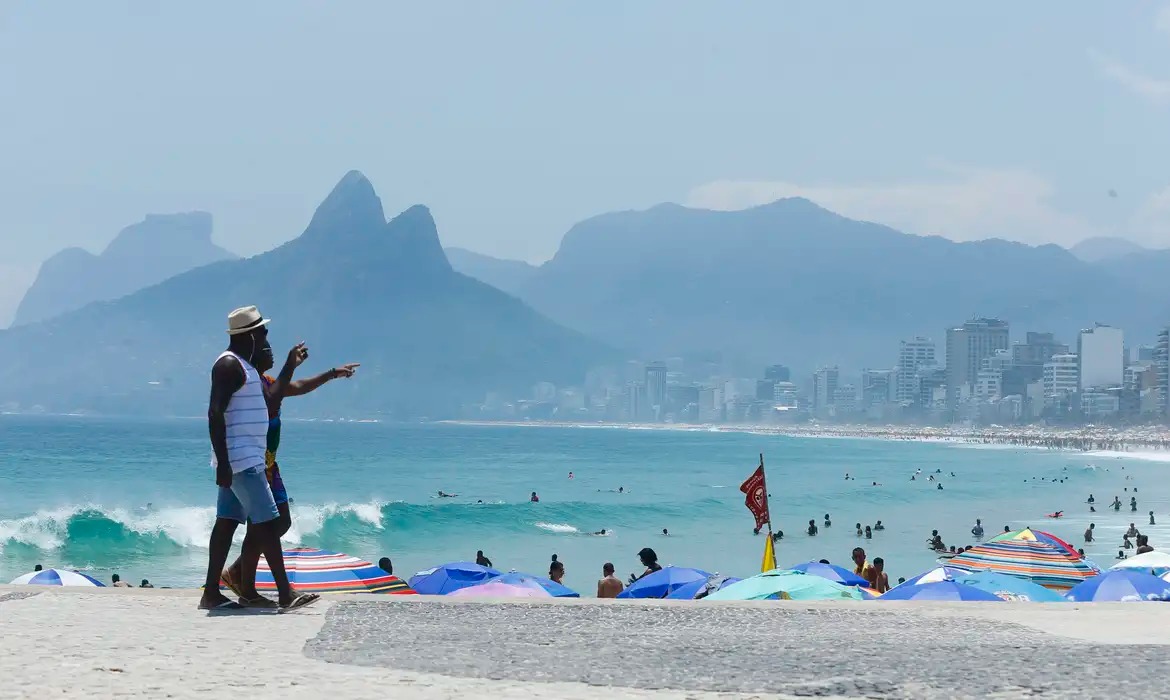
940, 488
570, 475
600, 532
534, 498
828, 523
879, 526
444, 494
665, 533
860, 532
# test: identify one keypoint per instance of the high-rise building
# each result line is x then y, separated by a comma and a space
764, 389
913, 354
1101, 350
1162, 367
967, 345
656, 387
1060, 378
877, 387
845, 401
1146, 353
825, 388
1036, 349
777, 373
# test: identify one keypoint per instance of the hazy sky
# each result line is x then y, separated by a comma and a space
513, 120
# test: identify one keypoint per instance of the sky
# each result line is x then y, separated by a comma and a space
513, 121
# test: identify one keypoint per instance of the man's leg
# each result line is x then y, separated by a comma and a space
243, 569
264, 532
229, 513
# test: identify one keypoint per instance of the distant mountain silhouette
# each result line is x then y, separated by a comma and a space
1105, 248
791, 282
148, 252
354, 286
508, 275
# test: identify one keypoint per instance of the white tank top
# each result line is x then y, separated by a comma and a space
246, 419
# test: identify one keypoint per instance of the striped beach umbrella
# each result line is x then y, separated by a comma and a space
57, 577
321, 571
1040, 562
553, 588
1031, 535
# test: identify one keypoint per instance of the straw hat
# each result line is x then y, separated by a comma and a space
245, 320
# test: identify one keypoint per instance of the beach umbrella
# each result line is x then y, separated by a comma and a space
785, 584
57, 577
1040, 562
321, 571
692, 591
1030, 535
553, 588
1153, 562
493, 588
939, 590
938, 573
1123, 585
662, 583
837, 574
444, 579
1011, 588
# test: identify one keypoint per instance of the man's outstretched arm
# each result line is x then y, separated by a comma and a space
227, 376
310, 384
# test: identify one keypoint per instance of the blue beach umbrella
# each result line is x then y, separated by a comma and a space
1010, 588
57, 577
663, 582
783, 584
1122, 585
938, 573
691, 590
939, 590
554, 589
836, 574
443, 579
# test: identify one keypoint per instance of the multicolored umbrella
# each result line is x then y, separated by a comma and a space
1124, 586
662, 583
321, 571
57, 577
939, 590
1010, 588
494, 588
833, 573
697, 589
554, 589
446, 578
785, 584
1030, 535
1040, 562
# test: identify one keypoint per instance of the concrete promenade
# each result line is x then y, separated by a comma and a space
154, 644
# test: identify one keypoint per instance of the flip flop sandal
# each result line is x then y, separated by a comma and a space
232, 586
225, 605
258, 602
301, 601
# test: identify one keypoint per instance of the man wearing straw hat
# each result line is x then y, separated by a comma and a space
237, 417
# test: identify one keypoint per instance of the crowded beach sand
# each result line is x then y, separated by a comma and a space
1084, 438
150, 643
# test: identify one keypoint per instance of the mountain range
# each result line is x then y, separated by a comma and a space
146, 253
356, 287
790, 282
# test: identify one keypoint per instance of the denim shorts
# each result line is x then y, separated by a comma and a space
249, 499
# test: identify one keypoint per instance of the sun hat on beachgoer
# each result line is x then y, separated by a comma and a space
245, 320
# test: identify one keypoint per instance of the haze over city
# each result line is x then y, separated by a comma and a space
1041, 123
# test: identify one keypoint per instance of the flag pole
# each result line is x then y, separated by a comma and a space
767, 503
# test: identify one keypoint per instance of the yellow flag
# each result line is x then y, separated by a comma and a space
769, 554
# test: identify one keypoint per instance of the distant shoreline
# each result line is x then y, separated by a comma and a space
1083, 439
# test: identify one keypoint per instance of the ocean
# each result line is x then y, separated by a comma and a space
136, 496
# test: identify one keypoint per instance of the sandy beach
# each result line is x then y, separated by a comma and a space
1085, 438
152, 644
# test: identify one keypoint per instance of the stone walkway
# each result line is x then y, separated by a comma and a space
154, 644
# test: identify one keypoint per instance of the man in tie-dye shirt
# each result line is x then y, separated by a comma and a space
240, 577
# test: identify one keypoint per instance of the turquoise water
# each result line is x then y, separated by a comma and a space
74, 492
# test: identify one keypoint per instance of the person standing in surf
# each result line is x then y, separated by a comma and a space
240, 577
237, 418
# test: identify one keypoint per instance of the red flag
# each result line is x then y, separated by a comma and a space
757, 496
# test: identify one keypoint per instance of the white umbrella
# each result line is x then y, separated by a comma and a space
57, 577
1155, 560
